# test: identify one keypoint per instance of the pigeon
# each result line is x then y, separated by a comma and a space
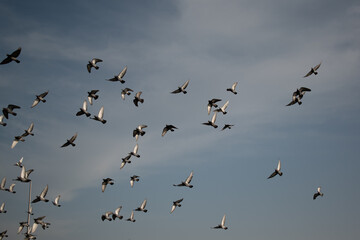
318, 193
212, 122
212, 103
277, 171
186, 183
2, 184
24, 176
133, 179
83, 110
21, 227
40, 221
176, 204
167, 128
92, 64
70, 142
56, 201
119, 77
227, 126
16, 140
138, 131
12, 57
92, 95
298, 95
27, 173
313, 70
106, 216
232, 89
100, 116
28, 131
142, 207
223, 108
2, 210
11, 188
182, 88
9, 110
222, 224
137, 99
131, 218
3, 234
105, 182
134, 152
39, 98
125, 160
125, 91
42, 196
19, 163
1, 121
116, 214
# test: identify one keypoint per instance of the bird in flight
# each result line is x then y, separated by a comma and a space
100, 116
12, 57
70, 141
186, 183
277, 171
318, 193
119, 77
182, 88
9, 110
227, 126
1, 121
212, 122
92, 64
105, 182
39, 98
29, 131
83, 110
222, 224
313, 70
138, 99
92, 95
176, 204
232, 89
212, 103
168, 128
125, 91
223, 108
298, 95
142, 207
42, 196
56, 201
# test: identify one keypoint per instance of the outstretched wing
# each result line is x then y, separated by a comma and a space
185, 84
189, 178
16, 53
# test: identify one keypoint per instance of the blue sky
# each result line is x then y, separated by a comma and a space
266, 46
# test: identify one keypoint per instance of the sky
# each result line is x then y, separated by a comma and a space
265, 46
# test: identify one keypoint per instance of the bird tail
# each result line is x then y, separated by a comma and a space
96, 67
103, 121
315, 73
141, 100
88, 114
96, 97
17, 61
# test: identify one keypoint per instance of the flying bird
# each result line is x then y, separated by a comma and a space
21, 227
24, 175
40, 98
298, 95
186, 183
232, 89
16, 140
168, 128
182, 88
119, 77
116, 214
137, 99
212, 122
142, 207
100, 116
212, 103
19, 163
42, 196
222, 224
3, 234
277, 171
134, 152
131, 218
318, 193
2, 184
56, 201
106, 216
223, 108
83, 110
11, 188
138, 131
92, 64
105, 182
227, 126
29, 131
40, 221
313, 70
125, 160
1, 121
70, 141
12, 57
125, 91
176, 204
9, 110
2, 210
133, 179
92, 95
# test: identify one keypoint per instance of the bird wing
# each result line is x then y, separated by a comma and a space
88, 66
16, 53
22, 174
234, 86
138, 94
279, 166
309, 73
6, 60
3, 182
118, 210
72, 139
21, 159
122, 164
317, 67
44, 94
305, 89
185, 84
272, 175
213, 119
2, 206
209, 109
223, 220
143, 205
189, 178
319, 189
142, 126
101, 113
123, 95
225, 105
179, 201
1, 118
136, 149
177, 90
96, 60
11, 188
12, 106
31, 127
131, 182
84, 106
36, 101
103, 186
14, 143
34, 227
173, 208
123, 72
291, 103
164, 131
44, 192
57, 199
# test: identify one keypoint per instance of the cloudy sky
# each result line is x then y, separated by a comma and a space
266, 46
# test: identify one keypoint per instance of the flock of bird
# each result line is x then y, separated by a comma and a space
137, 132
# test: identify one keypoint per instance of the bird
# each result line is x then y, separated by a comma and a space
100, 116
134, 152
167, 128
27, 172
125, 160
2, 121
92, 64
131, 218
11, 188
277, 171
142, 207
223, 108
39, 98
56, 201
42, 196
133, 179
12, 57
137, 99
232, 89
116, 214
105, 182
40, 221
2, 184
83, 110
212, 122
212, 103
318, 193
16, 140
24, 176
186, 183
106, 216
313, 70
29, 131
21, 227
92, 95
2, 210
30, 212
222, 224
19, 163
119, 77
3, 234
125, 91
182, 88
298, 95
176, 204
138, 131
9, 110
70, 141
227, 126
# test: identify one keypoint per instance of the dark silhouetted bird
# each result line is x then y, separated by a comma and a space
9, 110
92, 64
12, 57
313, 70
70, 141
277, 171
168, 128
182, 88
40, 98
